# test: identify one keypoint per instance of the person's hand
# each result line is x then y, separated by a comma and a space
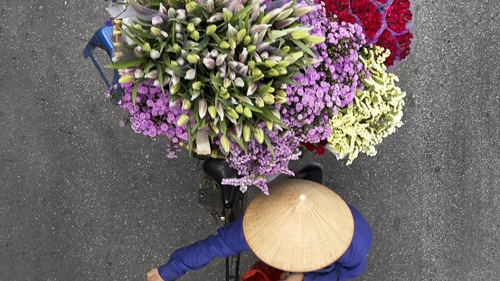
154, 275
289, 276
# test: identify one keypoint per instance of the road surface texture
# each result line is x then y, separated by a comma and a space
84, 199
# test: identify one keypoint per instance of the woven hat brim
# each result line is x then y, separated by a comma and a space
301, 226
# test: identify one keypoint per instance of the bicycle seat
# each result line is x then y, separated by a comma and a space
219, 169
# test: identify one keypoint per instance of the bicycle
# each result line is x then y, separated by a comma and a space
233, 200
233, 204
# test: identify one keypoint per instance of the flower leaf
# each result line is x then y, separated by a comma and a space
132, 62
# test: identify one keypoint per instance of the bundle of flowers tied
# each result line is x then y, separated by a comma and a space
255, 81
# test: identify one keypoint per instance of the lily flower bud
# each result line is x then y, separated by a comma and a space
313, 39
126, 78
202, 107
226, 14
251, 88
224, 45
174, 88
195, 94
215, 17
231, 31
239, 129
193, 58
284, 14
154, 54
196, 85
279, 99
232, 44
176, 47
195, 21
232, 113
238, 82
212, 110
214, 128
157, 20
247, 112
178, 28
209, 6
275, 34
195, 35
300, 34
146, 47
190, 27
220, 59
241, 35
259, 135
138, 73
153, 74
265, 19
220, 111
256, 72
298, 12
171, 12
247, 133
226, 83
183, 119
214, 53
209, 63
232, 75
262, 46
138, 26
181, 14
258, 28
191, 6
239, 108
259, 102
163, 34
247, 40
190, 74
162, 9
138, 51
273, 72
244, 55
280, 93
269, 125
176, 79
186, 104
284, 23
225, 143
246, 100
244, 70
268, 98
273, 13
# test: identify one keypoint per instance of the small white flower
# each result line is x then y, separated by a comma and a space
190, 74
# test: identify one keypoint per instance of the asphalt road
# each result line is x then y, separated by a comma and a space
84, 199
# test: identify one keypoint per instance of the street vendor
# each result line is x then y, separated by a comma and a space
301, 231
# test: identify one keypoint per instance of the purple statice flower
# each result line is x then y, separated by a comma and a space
108, 22
153, 116
258, 162
331, 83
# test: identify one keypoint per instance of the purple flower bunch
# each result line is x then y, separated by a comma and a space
331, 83
258, 162
154, 113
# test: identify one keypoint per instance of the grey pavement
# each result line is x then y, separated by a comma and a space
84, 199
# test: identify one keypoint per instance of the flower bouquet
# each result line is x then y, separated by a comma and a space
253, 81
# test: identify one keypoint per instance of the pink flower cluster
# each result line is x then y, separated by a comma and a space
154, 114
259, 162
330, 84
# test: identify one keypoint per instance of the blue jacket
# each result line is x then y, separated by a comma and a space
230, 241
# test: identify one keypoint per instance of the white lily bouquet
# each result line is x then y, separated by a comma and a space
210, 74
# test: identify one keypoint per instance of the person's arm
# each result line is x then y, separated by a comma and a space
228, 241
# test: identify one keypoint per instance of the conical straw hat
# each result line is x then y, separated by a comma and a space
301, 226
